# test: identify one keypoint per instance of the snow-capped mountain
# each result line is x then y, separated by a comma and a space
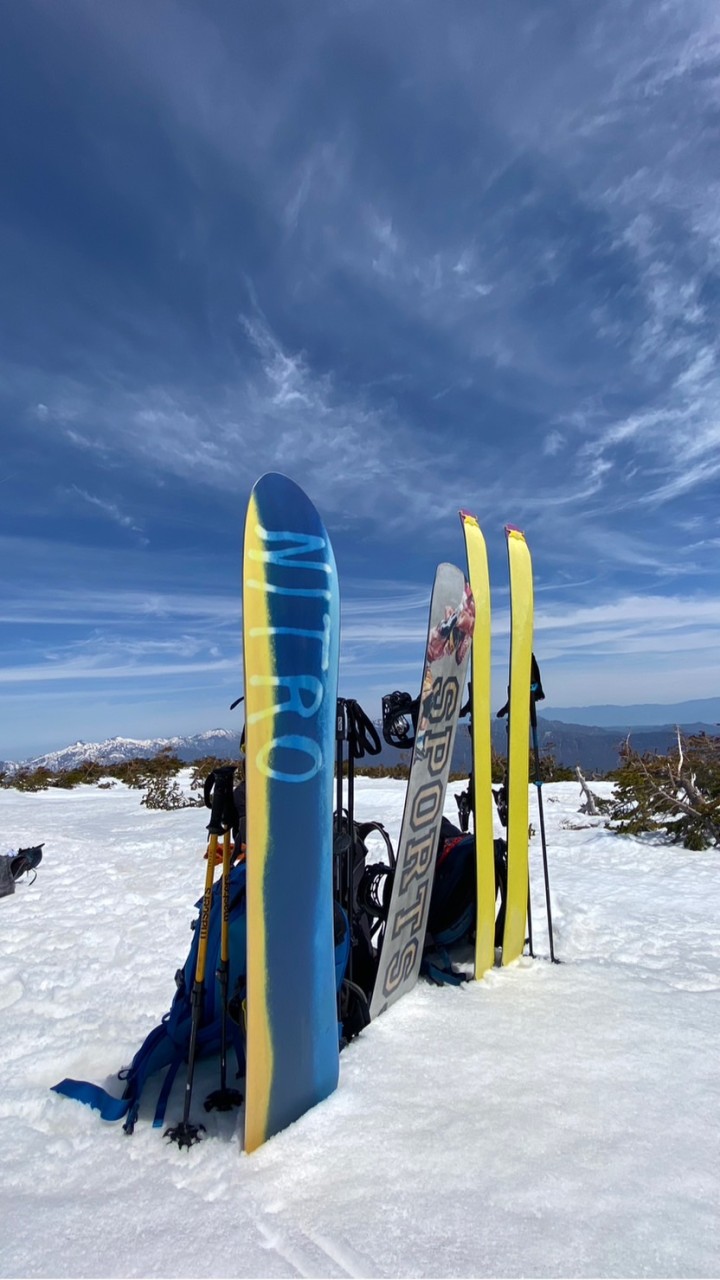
594, 748
224, 743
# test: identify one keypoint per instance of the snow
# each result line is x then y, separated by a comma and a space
554, 1120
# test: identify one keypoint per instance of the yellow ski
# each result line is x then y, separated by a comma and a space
521, 644
482, 799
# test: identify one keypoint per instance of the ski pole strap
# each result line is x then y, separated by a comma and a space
465, 711
233, 705
536, 690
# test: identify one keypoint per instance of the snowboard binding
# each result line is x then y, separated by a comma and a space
399, 712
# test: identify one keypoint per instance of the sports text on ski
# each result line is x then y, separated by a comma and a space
433, 745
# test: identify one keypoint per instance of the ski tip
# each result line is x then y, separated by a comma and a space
512, 531
467, 515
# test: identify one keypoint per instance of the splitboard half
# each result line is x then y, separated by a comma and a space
521, 643
482, 797
452, 619
291, 624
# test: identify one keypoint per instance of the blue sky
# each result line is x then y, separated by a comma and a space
418, 256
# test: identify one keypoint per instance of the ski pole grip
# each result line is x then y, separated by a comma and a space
341, 721
218, 797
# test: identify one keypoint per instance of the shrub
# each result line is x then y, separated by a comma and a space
163, 792
678, 793
30, 779
140, 772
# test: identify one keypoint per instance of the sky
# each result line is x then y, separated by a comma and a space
417, 256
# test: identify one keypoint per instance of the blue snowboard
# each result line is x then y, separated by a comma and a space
291, 626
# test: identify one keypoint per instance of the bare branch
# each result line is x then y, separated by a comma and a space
590, 805
667, 795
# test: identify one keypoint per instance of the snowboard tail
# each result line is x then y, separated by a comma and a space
291, 617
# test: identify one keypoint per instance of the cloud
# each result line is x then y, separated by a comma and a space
628, 648
676, 441
79, 670
108, 508
279, 414
487, 288
76, 635
345, 255
553, 443
75, 605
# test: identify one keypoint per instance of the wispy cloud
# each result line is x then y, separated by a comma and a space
109, 509
79, 670
652, 648
279, 414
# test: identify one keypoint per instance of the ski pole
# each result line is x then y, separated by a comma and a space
537, 695
185, 1133
224, 1099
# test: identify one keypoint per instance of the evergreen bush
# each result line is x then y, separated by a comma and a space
677, 793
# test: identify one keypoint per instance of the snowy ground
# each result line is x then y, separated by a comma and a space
548, 1121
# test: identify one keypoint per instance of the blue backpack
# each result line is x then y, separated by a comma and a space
166, 1046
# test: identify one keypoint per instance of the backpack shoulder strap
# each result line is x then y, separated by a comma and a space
92, 1095
156, 1051
168, 1082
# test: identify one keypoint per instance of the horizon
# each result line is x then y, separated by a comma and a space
470, 261
549, 714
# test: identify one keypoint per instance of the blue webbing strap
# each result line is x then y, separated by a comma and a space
92, 1095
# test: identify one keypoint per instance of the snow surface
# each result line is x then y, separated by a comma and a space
547, 1121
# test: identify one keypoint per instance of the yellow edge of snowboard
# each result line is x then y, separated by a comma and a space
257, 656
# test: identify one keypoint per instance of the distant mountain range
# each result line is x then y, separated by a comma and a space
643, 714
594, 747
